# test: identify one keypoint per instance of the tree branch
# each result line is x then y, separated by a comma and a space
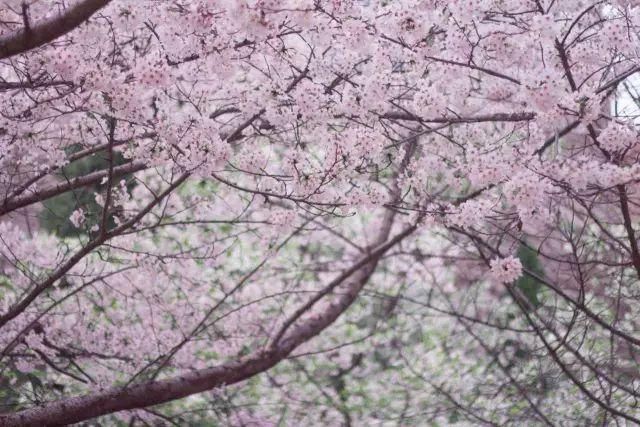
47, 30
77, 409
81, 181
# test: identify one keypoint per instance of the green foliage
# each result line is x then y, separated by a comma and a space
529, 286
14, 383
57, 210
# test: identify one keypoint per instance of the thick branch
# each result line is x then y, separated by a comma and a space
47, 30
63, 187
77, 409
291, 335
497, 117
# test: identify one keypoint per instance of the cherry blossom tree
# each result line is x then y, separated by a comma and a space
305, 211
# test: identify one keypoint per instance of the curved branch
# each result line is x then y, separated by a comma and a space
47, 30
77, 409
292, 334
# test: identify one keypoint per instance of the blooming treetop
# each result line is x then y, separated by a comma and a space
263, 165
